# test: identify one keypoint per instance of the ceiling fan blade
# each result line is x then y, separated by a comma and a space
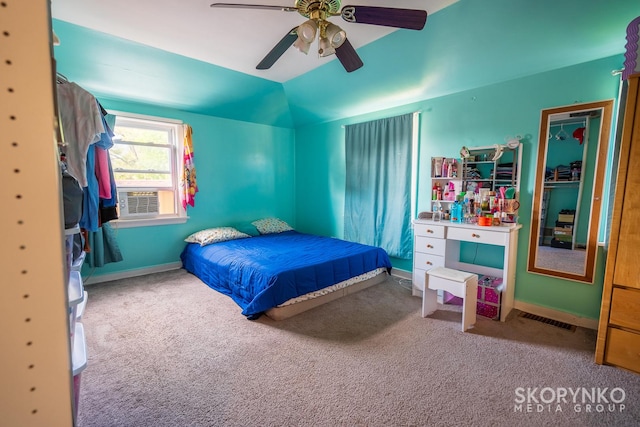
348, 57
278, 50
412, 19
254, 6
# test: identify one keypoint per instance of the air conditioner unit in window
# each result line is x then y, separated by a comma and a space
138, 204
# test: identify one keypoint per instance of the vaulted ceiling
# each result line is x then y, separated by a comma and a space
231, 38
144, 52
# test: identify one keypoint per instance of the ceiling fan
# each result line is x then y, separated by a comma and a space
331, 38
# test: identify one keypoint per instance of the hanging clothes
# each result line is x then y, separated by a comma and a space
579, 134
110, 202
81, 124
87, 138
104, 172
104, 247
98, 186
91, 205
188, 184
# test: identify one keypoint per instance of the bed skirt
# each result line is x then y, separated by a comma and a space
314, 299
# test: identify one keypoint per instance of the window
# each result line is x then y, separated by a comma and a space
146, 161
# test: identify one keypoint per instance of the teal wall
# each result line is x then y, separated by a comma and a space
244, 172
477, 117
109, 66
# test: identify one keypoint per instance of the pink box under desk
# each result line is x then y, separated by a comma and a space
488, 297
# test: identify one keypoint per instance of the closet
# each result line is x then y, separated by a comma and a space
618, 340
89, 195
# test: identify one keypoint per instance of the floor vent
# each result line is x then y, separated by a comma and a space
548, 321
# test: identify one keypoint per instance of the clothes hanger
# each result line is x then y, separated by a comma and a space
562, 134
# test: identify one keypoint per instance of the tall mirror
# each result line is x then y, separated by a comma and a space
568, 190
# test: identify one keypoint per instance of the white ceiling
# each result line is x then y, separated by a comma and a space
231, 38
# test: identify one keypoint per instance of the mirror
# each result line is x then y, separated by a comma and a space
567, 195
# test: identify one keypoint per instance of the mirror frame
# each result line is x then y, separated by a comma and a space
596, 196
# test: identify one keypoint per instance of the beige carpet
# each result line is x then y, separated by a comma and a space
166, 350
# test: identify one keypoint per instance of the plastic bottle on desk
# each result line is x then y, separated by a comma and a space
456, 212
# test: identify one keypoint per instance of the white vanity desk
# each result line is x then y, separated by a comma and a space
437, 244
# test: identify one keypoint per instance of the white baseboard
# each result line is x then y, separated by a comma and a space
132, 273
560, 316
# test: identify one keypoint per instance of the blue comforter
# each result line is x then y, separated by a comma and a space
264, 271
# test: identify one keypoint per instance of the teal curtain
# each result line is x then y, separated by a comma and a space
378, 184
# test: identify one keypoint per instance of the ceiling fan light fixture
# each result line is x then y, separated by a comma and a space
301, 45
307, 31
335, 34
325, 48
331, 38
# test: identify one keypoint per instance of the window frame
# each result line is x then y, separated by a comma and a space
176, 152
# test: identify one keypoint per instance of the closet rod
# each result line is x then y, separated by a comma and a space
569, 122
61, 78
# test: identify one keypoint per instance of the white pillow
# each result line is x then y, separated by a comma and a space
214, 235
271, 225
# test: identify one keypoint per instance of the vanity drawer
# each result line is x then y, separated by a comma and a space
419, 273
624, 308
427, 261
429, 230
429, 245
478, 236
623, 349
421, 264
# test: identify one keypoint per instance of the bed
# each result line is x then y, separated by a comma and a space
283, 274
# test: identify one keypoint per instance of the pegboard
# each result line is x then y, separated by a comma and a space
35, 361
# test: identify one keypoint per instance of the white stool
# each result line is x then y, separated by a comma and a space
458, 283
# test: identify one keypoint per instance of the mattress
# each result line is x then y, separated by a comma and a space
263, 272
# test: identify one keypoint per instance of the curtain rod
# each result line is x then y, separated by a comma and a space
413, 112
